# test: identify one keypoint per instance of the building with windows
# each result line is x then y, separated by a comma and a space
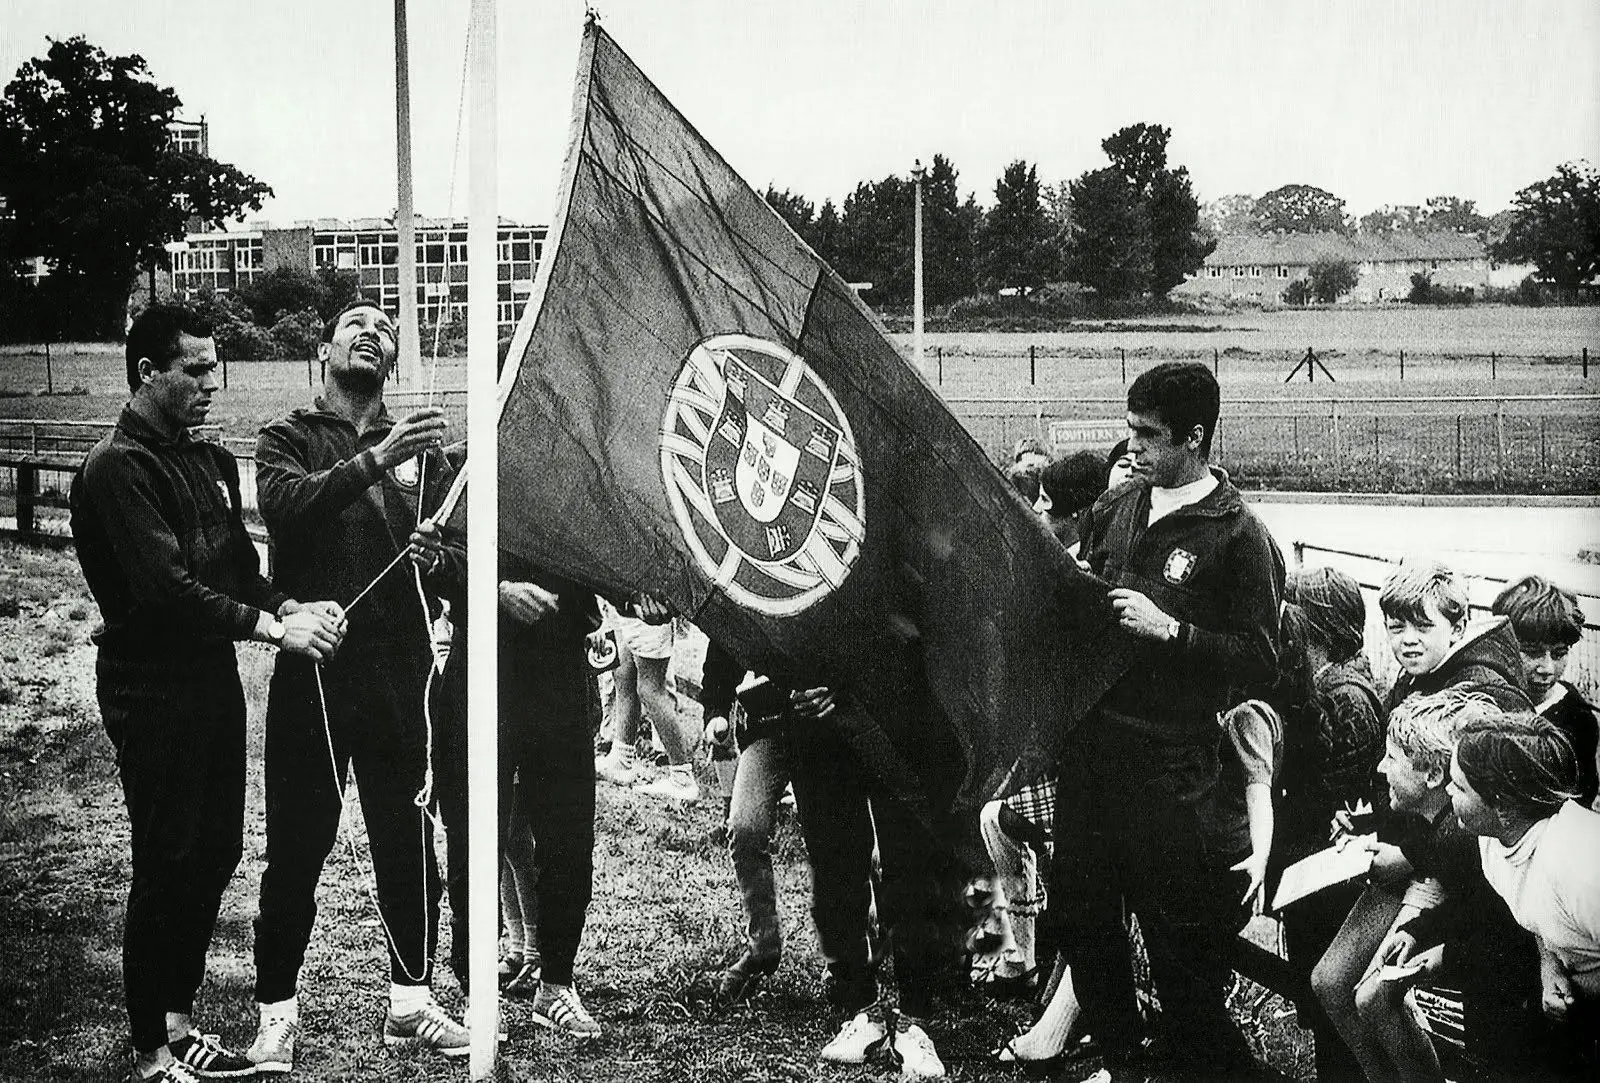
369, 248
191, 136
1261, 266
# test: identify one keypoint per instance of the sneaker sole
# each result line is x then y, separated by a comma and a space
551, 1024
274, 1067
396, 1041
866, 1054
224, 1073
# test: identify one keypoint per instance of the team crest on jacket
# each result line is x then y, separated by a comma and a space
408, 473
1180, 565
762, 474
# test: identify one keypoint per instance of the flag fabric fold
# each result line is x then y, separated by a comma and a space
695, 404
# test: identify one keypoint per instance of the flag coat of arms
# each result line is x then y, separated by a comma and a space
695, 404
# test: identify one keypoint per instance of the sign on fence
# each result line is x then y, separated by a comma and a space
1067, 437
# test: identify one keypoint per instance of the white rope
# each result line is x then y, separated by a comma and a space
370, 870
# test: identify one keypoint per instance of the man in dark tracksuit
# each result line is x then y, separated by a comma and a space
548, 710
339, 487
155, 516
1197, 580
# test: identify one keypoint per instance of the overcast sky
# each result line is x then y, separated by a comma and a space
1378, 102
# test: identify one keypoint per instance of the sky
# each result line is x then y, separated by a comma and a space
1378, 102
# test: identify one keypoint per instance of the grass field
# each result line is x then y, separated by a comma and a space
665, 916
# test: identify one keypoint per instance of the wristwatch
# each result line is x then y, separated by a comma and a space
1174, 630
275, 631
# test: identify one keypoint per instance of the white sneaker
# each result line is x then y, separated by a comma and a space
273, 1049
856, 1039
677, 784
914, 1049
558, 1007
610, 768
429, 1027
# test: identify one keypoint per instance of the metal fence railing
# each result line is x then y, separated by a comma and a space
1371, 571
1521, 443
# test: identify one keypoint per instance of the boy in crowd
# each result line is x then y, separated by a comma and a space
1548, 624
1424, 609
1511, 783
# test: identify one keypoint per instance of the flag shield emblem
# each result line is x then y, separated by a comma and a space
761, 471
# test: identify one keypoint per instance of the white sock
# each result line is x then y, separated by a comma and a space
280, 1010
530, 937
179, 1025
406, 999
1049, 1035
624, 752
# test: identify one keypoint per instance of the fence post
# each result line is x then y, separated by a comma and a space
1499, 445
49, 372
1376, 456
1494, 363
1458, 447
224, 370
939, 353
1402, 365
309, 381
1544, 461
1296, 422
27, 494
1338, 454
1124, 354
1033, 372
1586, 362
1216, 362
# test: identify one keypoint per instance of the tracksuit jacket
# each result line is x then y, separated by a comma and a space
1212, 566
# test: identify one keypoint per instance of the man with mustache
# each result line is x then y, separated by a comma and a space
155, 516
340, 485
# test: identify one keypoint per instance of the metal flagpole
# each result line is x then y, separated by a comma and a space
410, 348
483, 505
917, 173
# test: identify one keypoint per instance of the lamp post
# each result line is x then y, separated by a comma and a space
917, 175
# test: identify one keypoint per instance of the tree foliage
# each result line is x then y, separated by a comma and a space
1301, 208
1015, 239
1556, 226
875, 237
1442, 214
91, 178
284, 291
1331, 279
1230, 214
1135, 224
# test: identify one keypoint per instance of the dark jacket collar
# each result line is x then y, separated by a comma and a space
145, 431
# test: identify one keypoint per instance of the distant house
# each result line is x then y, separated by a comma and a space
1261, 266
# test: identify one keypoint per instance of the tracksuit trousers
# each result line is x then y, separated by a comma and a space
178, 731
375, 726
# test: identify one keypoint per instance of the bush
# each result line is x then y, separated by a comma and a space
1298, 293
1331, 279
238, 337
1425, 292
1530, 292
297, 335
1421, 288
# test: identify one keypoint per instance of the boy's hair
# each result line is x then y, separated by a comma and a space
1541, 612
1024, 478
1425, 727
1073, 483
1405, 595
331, 324
1520, 763
155, 332
1028, 445
1182, 394
1330, 610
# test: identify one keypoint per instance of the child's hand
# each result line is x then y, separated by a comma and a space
1397, 948
1256, 867
1559, 995
1389, 864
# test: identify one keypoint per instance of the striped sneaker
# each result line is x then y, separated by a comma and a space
429, 1027
205, 1056
171, 1072
558, 1007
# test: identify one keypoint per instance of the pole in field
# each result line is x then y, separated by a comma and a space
917, 175
404, 216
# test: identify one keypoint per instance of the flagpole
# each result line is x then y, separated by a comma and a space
482, 537
917, 173
410, 347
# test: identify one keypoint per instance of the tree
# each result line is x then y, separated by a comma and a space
1135, 225
1014, 246
875, 237
1452, 214
1109, 246
1386, 219
1556, 226
1331, 279
1230, 214
90, 176
1301, 208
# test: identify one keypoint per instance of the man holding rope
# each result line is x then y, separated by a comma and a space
155, 516
342, 486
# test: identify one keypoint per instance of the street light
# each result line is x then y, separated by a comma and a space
917, 175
